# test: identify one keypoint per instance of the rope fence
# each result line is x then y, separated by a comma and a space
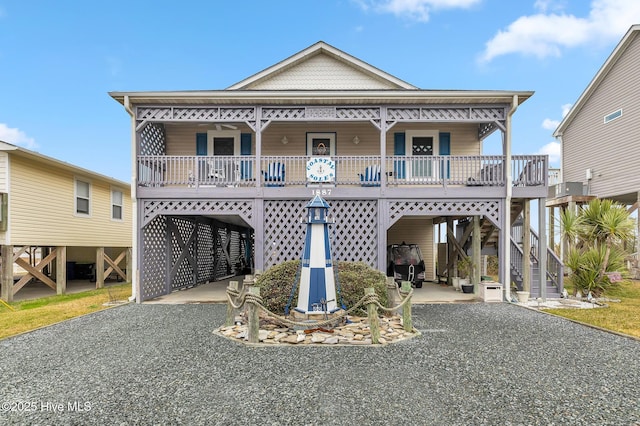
249, 297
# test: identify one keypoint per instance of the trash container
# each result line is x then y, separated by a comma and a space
491, 291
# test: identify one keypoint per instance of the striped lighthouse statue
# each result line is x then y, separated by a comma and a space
317, 293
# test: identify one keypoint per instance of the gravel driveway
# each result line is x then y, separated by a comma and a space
474, 364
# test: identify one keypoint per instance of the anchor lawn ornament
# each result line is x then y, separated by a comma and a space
317, 293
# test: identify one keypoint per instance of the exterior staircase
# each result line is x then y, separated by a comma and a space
555, 267
489, 244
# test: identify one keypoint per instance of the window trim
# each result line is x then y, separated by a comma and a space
613, 116
121, 219
212, 134
76, 196
321, 135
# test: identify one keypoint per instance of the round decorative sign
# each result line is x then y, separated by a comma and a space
321, 169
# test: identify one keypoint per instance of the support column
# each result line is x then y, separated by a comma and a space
6, 274
258, 233
476, 253
542, 249
552, 227
61, 270
526, 246
450, 252
128, 264
100, 267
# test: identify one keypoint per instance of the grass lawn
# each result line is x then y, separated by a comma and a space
31, 314
623, 317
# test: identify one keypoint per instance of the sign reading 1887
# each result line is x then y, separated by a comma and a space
321, 169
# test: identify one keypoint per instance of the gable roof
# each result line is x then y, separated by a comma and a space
622, 46
321, 67
323, 75
35, 156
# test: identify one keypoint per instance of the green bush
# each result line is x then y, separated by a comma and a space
276, 284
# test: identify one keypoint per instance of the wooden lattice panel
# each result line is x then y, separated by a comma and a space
283, 232
446, 113
354, 236
222, 267
154, 259
358, 113
490, 209
184, 274
282, 114
205, 253
195, 113
149, 113
151, 209
152, 140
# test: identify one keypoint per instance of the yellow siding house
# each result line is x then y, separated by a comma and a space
59, 222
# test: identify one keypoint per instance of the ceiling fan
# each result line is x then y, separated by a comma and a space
219, 126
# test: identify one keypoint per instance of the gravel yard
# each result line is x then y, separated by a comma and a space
474, 363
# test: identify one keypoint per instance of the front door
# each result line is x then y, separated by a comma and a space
422, 146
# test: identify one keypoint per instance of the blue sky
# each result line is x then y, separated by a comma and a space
59, 59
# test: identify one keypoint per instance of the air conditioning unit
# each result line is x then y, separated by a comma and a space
568, 188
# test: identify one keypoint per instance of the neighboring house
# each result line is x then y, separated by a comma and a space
600, 136
60, 222
223, 176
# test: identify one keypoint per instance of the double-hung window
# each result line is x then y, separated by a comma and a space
116, 204
83, 198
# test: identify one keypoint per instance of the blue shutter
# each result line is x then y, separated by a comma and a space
445, 149
201, 144
399, 148
245, 149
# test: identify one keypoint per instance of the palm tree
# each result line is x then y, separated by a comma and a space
595, 237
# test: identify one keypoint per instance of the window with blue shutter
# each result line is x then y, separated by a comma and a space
399, 148
201, 144
245, 149
445, 149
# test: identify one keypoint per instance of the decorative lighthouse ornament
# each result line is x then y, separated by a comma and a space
317, 293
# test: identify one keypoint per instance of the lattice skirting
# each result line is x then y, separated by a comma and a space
354, 236
182, 251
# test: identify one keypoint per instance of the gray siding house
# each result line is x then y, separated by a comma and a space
222, 177
600, 136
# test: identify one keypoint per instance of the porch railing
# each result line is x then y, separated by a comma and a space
194, 171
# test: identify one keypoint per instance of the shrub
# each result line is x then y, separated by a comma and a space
276, 284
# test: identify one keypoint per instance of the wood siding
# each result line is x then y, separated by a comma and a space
416, 230
322, 72
42, 209
611, 150
181, 140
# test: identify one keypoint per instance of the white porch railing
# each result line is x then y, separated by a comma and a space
194, 171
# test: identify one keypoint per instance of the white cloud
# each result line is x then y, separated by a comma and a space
546, 34
549, 124
418, 10
552, 149
16, 137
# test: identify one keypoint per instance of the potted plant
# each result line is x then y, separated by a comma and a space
465, 269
